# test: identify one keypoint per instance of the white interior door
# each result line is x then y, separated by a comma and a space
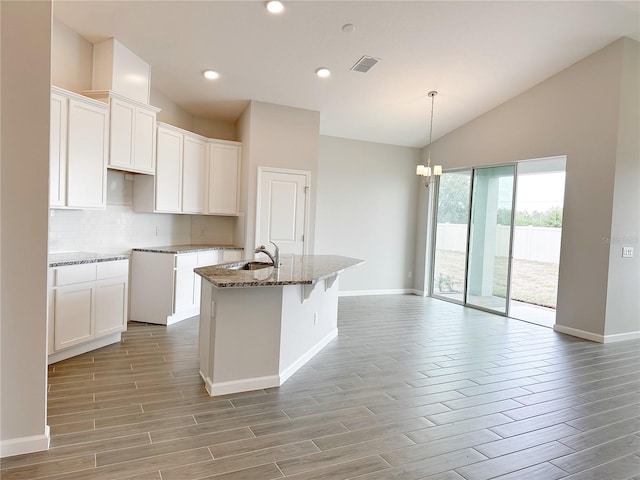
282, 209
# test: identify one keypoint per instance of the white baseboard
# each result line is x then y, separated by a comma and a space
621, 337
574, 332
360, 293
84, 348
244, 385
19, 446
268, 381
285, 374
595, 337
178, 317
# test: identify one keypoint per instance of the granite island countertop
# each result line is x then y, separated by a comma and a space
176, 249
78, 258
294, 270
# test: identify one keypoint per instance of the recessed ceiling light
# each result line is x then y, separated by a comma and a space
275, 6
210, 74
323, 72
348, 28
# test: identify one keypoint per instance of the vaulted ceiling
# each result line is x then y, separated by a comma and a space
476, 54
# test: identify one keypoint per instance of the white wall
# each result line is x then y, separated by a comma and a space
623, 293
169, 112
72, 59
24, 118
574, 113
367, 209
281, 137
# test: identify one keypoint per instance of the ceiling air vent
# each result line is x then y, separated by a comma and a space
365, 64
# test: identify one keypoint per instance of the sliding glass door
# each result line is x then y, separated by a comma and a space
472, 244
488, 265
452, 220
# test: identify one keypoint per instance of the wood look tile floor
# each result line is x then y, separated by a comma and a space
412, 388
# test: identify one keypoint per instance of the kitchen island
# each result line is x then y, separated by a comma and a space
258, 327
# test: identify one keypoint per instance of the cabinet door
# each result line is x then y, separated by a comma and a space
194, 177
204, 260
121, 134
73, 312
224, 165
185, 290
58, 151
86, 155
144, 141
168, 171
111, 306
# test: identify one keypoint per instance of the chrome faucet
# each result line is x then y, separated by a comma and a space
275, 258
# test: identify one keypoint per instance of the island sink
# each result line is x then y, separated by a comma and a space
248, 266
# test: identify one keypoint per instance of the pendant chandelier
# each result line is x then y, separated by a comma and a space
425, 171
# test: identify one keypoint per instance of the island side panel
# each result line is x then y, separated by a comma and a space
246, 338
206, 334
307, 325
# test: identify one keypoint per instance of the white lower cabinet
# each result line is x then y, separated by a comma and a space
87, 307
185, 283
111, 306
164, 288
73, 315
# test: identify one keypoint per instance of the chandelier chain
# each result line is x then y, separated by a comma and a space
432, 94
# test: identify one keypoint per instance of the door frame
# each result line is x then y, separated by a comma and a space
307, 187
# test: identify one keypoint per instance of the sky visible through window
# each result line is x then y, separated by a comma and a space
540, 191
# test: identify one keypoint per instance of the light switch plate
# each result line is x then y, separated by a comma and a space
627, 252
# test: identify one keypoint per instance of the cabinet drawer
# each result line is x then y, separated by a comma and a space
74, 274
187, 260
118, 268
207, 258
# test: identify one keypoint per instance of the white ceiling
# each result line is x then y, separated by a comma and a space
477, 54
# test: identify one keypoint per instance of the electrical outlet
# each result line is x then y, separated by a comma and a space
157, 230
627, 252
202, 231
315, 318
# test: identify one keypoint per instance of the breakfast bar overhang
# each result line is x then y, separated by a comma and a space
258, 327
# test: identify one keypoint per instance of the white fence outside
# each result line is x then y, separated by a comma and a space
538, 244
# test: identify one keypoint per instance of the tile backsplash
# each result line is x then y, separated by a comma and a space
118, 229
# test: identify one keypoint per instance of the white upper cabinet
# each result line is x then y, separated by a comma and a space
194, 177
79, 150
58, 151
132, 133
194, 174
168, 180
223, 178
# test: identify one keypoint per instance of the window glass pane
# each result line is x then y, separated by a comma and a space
451, 235
490, 238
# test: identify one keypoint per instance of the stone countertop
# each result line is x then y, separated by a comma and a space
77, 258
294, 270
174, 249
